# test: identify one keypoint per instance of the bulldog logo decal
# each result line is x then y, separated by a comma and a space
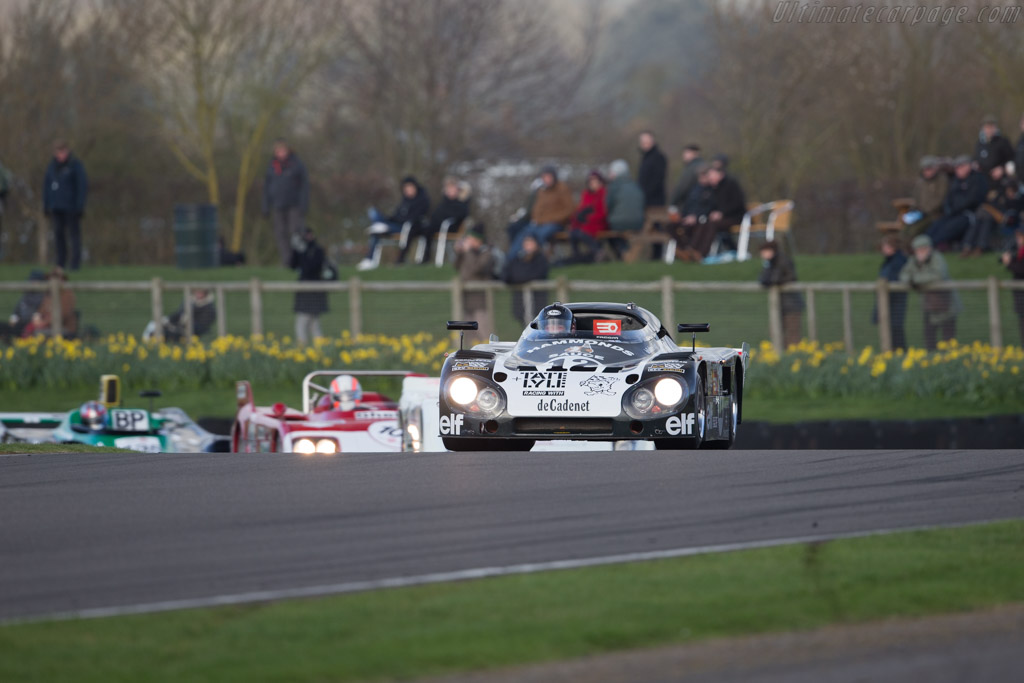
598, 385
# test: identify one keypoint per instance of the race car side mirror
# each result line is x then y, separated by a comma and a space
693, 328
462, 326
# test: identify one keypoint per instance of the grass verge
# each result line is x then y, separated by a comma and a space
57, 448
513, 620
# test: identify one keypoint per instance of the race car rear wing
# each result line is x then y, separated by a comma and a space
694, 328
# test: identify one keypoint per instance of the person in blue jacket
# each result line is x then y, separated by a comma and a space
65, 188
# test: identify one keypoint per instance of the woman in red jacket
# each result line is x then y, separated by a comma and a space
591, 219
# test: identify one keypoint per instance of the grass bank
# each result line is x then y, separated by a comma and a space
57, 448
512, 620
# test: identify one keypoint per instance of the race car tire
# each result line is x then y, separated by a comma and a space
698, 439
504, 445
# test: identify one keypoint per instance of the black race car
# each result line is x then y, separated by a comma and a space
595, 372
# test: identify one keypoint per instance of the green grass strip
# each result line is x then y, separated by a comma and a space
505, 621
7, 448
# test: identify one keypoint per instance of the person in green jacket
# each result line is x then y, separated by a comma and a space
625, 203
940, 307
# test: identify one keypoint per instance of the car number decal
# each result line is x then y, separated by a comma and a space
122, 420
386, 433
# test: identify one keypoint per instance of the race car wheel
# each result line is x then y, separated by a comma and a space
700, 413
504, 445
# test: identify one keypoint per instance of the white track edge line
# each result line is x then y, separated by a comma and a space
464, 575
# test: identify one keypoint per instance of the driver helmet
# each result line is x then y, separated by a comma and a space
556, 319
93, 415
345, 392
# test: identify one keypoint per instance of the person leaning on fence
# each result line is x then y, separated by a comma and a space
285, 196
529, 265
624, 201
412, 208
65, 190
778, 269
453, 207
892, 266
474, 262
309, 259
1013, 259
940, 307
997, 217
42, 320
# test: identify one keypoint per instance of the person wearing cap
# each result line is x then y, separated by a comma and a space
1013, 259
1000, 212
625, 203
552, 209
992, 148
309, 259
475, 262
688, 176
966, 192
940, 308
591, 219
930, 188
778, 269
413, 207
65, 190
285, 196
653, 169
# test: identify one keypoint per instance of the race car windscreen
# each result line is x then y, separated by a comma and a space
607, 338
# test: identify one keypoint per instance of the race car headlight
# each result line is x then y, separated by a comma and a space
305, 447
642, 400
462, 390
668, 391
326, 447
487, 400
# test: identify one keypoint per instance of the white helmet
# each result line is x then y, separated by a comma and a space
346, 392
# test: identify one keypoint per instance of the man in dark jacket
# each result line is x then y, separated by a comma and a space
723, 200
688, 178
999, 213
308, 258
1019, 164
966, 192
992, 149
65, 189
285, 196
651, 174
778, 269
412, 208
895, 259
529, 265
453, 207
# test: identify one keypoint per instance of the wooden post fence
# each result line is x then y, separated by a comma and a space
847, 321
156, 302
812, 316
884, 321
222, 324
56, 309
995, 324
775, 318
256, 306
668, 303
355, 306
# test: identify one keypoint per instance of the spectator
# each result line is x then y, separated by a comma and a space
552, 209
721, 162
624, 201
778, 269
1000, 210
688, 178
309, 259
892, 266
966, 193
474, 262
286, 196
653, 168
992, 149
591, 219
202, 310
723, 199
65, 189
5, 186
413, 207
930, 189
529, 265
1019, 165
226, 257
42, 320
454, 207
1013, 259
940, 307
24, 310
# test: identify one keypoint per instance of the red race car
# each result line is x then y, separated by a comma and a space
337, 416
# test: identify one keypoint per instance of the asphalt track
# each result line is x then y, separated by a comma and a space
83, 531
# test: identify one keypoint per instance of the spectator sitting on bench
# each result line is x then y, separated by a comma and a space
552, 209
624, 201
1000, 210
930, 189
413, 208
454, 207
727, 206
966, 193
203, 313
591, 219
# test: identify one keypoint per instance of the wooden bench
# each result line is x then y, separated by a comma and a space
445, 238
769, 219
903, 206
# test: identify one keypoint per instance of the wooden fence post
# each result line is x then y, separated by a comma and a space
995, 323
222, 323
256, 306
355, 306
884, 321
456, 299
847, 321
775, 318
56, 311
668, 302
528, 309
812, 317
156, 301
489, 308
190, 327
562, 289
